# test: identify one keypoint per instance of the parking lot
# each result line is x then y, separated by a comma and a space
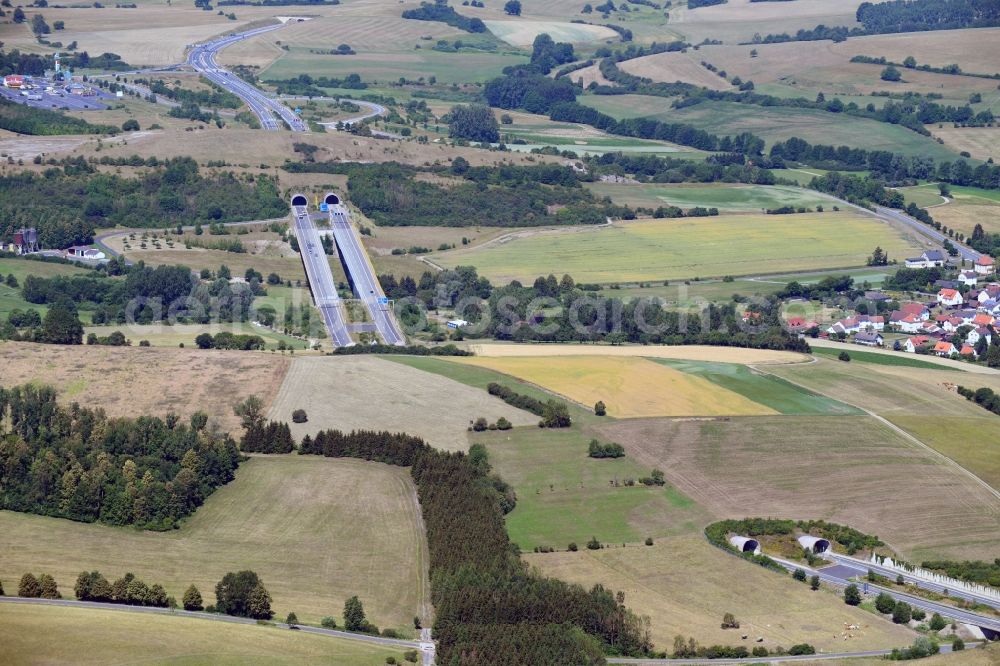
58, 99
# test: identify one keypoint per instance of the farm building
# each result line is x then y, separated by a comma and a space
929, 259
85, 253
25, 241
868, 339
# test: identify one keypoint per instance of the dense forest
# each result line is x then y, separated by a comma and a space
77, 463
23, 119
440, 11
66, 204
487, 603
503, 197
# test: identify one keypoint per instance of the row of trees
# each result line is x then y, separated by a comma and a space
260, 435
23, 119
77, 463
93, 586
440, 11
486, 601
554, 413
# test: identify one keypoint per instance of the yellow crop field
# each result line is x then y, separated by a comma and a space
681, 352
628, 386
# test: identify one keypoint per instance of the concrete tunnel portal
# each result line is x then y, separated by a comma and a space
814, 544
300, 200
331, 199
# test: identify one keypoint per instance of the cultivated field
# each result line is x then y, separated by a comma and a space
919, 400
365, 392
681, 352
628, 386
739, 20
50, 634
159, 335
684, 585
777, 124
520, 32
853, 470
802, 69
676, 67
968, 207
147, 35
131, 381
980, 142
730, 198
684, 248
316, 530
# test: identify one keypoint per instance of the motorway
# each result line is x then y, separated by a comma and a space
362, 274
862, 567
321, 283
269, 111
841, 575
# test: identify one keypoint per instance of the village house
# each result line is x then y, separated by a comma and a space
968, 351
943, 348
916, 342
984, 265
968, 278
868, 339
929, 259
977, 334
950, 298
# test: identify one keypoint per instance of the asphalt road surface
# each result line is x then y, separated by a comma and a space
836, 577
861, 567
324, 289
269, 111
366, 284
50, 100
930, 232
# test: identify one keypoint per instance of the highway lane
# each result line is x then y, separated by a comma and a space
268, 110
863, 567
321, 283
366, 284
957, 614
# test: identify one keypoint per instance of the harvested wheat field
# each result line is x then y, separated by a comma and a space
676, 66
53, 635
685, 586
355, 392
135, 381
317, 531
684, 352
628, 386
848, 469
980, 142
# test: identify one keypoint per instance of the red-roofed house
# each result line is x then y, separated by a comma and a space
950, 298
968, 351
983, 319
984, 265
916, 342
918, 310
944, 349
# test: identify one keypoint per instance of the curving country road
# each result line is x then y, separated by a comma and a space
268, 110
374, 109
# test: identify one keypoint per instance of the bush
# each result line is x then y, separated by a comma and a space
1, 588
957, 644
884, 603
594, 544
801, 648
937, 622
852, 597
759, 651
48, 588
649, 541
729, 621
503, 424
902, 613
814, 582
299, 416
480, 424
918, 614
328, 623
411, 656
844, 356
799, 574
609, 450
600, 409
571, 548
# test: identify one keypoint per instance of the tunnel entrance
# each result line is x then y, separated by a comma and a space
814, 544
331, 199
300, 200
